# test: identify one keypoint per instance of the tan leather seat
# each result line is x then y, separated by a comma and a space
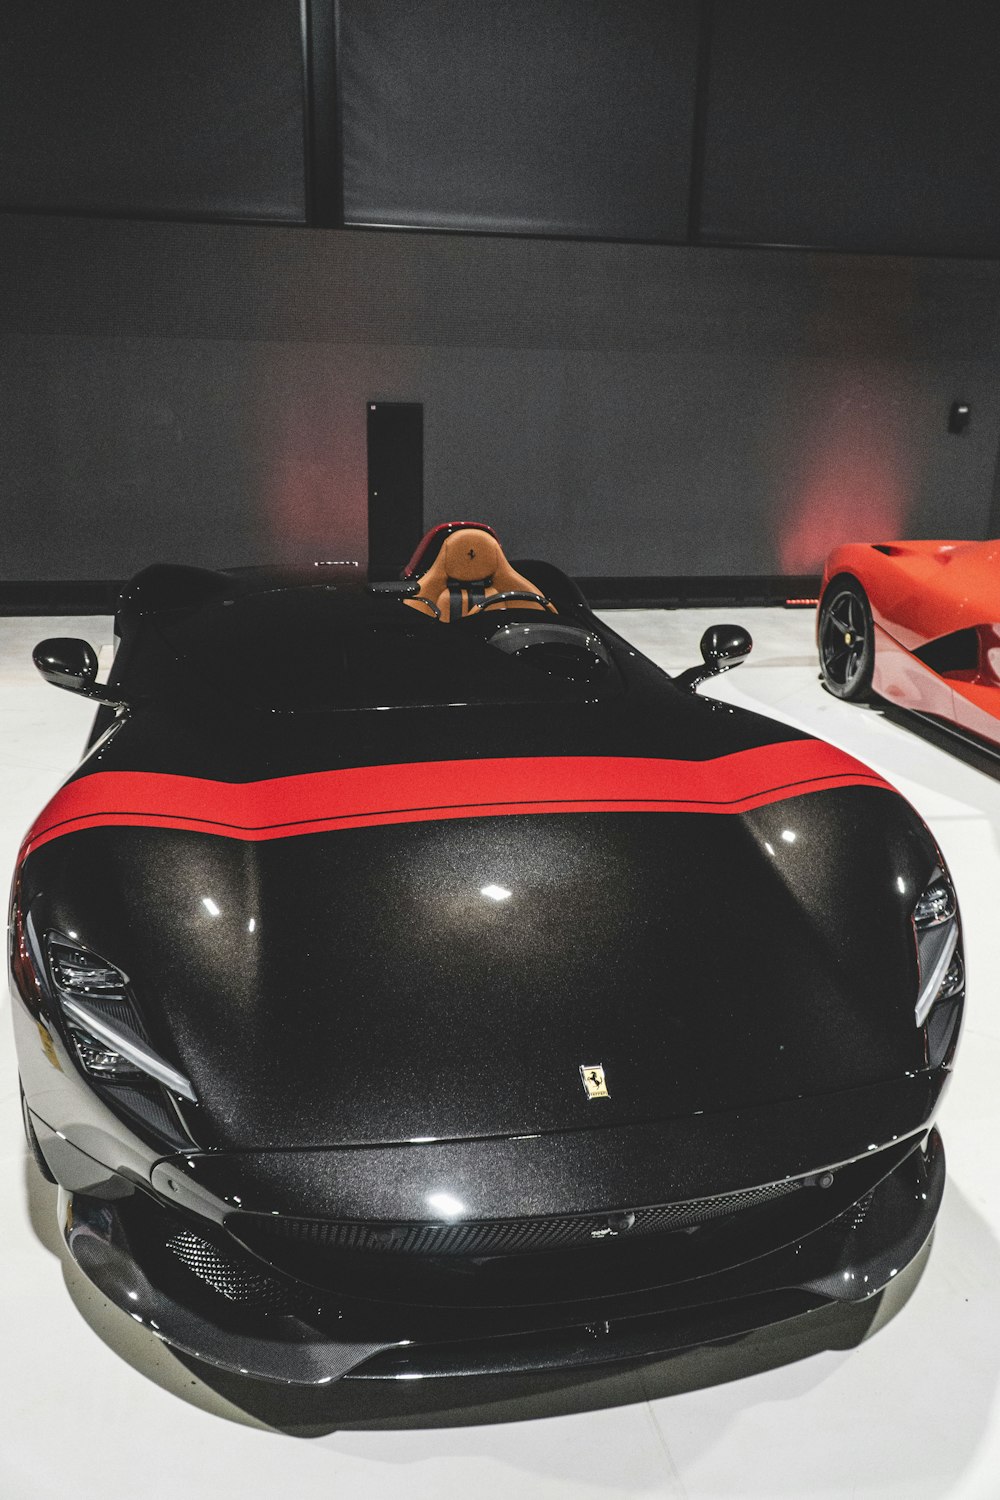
469, 569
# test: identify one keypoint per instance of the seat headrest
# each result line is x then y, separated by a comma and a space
470, 555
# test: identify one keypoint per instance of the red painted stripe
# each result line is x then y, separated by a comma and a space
364, 796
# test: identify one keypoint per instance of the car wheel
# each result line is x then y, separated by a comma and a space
846, 640
32, 1139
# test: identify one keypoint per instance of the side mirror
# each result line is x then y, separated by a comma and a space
72, 664
725, 646
722, 648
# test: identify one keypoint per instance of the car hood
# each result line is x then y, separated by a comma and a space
448, 978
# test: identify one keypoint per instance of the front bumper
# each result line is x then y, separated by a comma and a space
225, 1307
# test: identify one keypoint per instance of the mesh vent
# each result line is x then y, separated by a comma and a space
145, 1101
494, 1236
235, 1282
117, 1011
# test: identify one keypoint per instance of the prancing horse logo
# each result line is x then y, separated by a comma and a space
594, 1082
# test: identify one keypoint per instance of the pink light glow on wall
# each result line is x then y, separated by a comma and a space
314, 505
852, 481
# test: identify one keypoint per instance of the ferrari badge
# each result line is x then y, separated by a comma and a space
595, 1084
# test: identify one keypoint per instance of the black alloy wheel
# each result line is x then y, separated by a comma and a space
846, 640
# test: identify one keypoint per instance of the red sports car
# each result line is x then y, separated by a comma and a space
917, 624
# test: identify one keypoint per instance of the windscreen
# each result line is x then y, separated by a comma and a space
318, 650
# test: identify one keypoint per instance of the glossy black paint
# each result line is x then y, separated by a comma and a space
302, 1333
72, 664
722, 648
381, 997
66, 663
369, 1036
725, 643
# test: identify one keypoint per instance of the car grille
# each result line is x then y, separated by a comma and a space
264, 1232
235, 1282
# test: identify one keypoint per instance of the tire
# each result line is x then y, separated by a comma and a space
32, 1139
846, 640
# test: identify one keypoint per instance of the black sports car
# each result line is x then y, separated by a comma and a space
415, 980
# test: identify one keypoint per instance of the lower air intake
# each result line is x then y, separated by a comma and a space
235, 1282
494, 1236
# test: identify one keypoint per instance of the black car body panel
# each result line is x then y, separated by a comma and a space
382, 998
381, 891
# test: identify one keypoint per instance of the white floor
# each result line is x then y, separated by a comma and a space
905, 1406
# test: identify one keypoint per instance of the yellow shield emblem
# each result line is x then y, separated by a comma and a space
594, 1082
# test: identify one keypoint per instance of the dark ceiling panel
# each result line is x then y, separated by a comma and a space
174, 107
531, 116
854, 124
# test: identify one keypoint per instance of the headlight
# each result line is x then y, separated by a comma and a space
939, 958
101, 1019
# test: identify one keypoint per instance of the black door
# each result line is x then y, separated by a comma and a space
395, 484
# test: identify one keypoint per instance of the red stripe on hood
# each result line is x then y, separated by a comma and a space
362, 796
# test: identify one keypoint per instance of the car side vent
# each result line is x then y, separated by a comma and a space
145, 1102
958, 652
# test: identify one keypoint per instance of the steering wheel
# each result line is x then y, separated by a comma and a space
507, 598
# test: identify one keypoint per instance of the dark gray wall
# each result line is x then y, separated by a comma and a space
534, 116
838, 124
197, 392
852, 124
169, 107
